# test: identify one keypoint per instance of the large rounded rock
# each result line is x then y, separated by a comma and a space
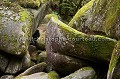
15, 28
63, 39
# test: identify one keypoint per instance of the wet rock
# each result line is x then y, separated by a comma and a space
65, 65
60, 38
7, 77
15, 28
83, 73
17, 64
42, 57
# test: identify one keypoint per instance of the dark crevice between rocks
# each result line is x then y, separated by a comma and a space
35, 36
100, 67
7, 65
8, 56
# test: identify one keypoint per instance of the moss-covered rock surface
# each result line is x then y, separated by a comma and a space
65, 40
15, 28
102, 16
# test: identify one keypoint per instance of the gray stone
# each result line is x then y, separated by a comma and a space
16, 25
83, 73
65, 64
39, 15
41, 75
17, 64
60, 38
34, 69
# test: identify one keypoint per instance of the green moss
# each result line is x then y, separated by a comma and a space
23, 15
86, 68
13, 15
53, 75
23, 28
112, 14
114, 58
81, 12
91, 46
48, 17
29, 3
103, 18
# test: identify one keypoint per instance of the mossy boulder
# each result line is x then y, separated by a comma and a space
53, 75
48, 17
83, 73
15, 28
103, 17
82, 14
60, 38
29, 3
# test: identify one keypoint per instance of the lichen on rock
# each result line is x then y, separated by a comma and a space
15, 28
